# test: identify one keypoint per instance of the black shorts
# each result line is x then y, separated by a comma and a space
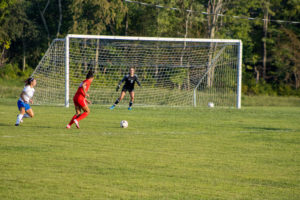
129, 89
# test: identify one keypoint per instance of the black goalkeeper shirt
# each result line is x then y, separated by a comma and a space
129, 81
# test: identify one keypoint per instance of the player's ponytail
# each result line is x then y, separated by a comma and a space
29, 81
90, 74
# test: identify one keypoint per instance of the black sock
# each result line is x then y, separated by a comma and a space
117, 101
130, 103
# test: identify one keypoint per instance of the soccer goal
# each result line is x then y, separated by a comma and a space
172, 71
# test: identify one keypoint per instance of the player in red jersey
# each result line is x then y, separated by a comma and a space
80, 100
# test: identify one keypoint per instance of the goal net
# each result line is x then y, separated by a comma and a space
172, 71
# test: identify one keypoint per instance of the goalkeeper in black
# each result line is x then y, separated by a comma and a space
130, 80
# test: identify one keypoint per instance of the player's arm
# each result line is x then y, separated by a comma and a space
137, 81
119, 85
88, 101
22, 96
83, 88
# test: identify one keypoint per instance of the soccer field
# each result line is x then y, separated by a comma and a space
165, 153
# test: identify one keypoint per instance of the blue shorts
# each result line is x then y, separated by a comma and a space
21, 104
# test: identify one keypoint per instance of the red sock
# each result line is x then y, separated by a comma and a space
72, 120
82, 116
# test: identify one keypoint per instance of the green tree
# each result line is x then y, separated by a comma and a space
97, 16
24, 31
287, 59
5, 39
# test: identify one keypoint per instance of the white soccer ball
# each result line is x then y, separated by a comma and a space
210, 104
124, 124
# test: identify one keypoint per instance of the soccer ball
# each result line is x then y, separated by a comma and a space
124, 124
210, 104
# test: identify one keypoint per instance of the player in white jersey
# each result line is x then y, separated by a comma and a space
25, 99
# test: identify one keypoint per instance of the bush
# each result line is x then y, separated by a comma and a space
287, 90
12, 71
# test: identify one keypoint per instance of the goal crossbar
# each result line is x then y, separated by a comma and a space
152, 38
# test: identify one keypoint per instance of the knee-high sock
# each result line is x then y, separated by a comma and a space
117, 101
19, 118
130, 103
82, 116
26, 116
72, 120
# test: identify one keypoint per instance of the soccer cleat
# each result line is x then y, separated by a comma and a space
68, 126
17, 124
129, 108
76, 123
112, 107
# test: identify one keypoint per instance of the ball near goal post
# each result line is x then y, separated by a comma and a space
173, 71
211, 104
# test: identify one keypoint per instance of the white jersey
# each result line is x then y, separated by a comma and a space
28, 93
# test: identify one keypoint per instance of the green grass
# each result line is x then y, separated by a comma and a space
277, 101
10, 88
165, 153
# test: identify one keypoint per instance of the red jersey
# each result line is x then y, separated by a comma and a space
80, 89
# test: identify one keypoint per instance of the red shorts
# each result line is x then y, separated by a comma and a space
79, 100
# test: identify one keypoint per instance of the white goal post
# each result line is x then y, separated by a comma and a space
172, 71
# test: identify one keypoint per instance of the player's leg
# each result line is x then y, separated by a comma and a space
20, 116
77, 111
29, 113
22, 108
26, 115
119, 99
86, 111
82, 115
131, 100
76, 116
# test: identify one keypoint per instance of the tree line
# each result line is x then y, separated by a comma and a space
271, 49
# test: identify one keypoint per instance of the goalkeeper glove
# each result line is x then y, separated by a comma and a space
118, 87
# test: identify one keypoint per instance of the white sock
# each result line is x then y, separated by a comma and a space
26, 116
19, 118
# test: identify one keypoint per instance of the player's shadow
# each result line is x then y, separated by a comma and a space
39, 126
268, 129
3, 124
13, 125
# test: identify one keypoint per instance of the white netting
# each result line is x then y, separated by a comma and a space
171, 73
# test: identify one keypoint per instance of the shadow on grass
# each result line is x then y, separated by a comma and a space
267, 129
25, 125
40, 126
3, 124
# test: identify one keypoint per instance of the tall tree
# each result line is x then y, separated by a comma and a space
287, 58
42, 10
5, 39
97, 16
19, 29
214, 8
266, 11
60, 18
